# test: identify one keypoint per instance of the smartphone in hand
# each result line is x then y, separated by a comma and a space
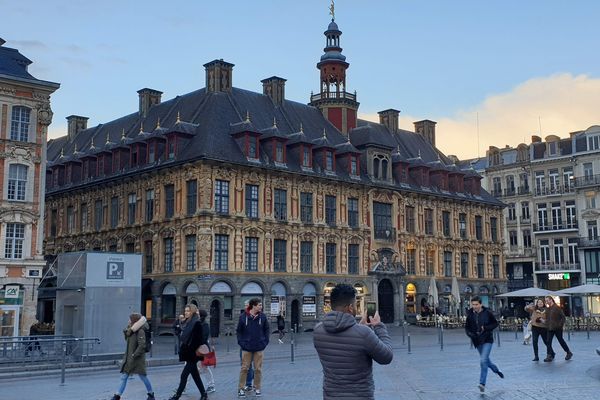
371, 310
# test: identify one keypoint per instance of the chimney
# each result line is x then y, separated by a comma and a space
426, 128
148, 98
75, 124
389, 118
536, 139
218, 76
274, 87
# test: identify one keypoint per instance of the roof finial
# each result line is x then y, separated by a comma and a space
274, 122
398, 148
92, 146
348, 137
141, 127
247, 116
75, 150
419, 153
123, 134
332, 10
107, 138
178, 118
158, 123
301, 128
324, 133
62, 153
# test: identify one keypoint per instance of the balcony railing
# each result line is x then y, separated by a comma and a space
557, 267
525, 220
555, 227
517, 251
588, 242
510, 191
524, 190
590, 180
387, 235
496, 192
333, 95
552, 191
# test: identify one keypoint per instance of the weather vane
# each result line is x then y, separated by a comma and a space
332, 10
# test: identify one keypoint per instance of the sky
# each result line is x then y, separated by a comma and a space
491, 73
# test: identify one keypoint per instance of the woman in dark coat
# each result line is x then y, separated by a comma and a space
191, 338
134, 360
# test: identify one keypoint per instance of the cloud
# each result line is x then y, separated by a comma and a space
27, 44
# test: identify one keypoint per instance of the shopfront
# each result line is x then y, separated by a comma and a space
11, 304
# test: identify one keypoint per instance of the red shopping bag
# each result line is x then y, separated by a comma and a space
210, 359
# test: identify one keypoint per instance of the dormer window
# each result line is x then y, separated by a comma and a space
552, 148
171, 146
279, 153
252, 147
380, 167
593, 142
306, 157
329, 160
353, 165
151, 152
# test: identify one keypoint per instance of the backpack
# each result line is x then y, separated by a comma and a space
148, 346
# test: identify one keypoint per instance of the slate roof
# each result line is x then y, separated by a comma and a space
14, 65
210, 120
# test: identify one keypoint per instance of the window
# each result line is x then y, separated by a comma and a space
330, 255
494, 228
540, 183
542, 216
70, 219
588, 171
512, 212
84, 217
151, 153
556, 216
279, 153
429, 262
252, 148
221, 252
496, 266
130, 247
98, 214
191, 187
330, 210
593, 142
568, 178
447, 263
19, 126
497, 186
478, 228
462, 225
409, 212
251, 254
222, 197
328, 161
114, 212
148, 257
380, 167
131, 204
544, 252
592, 230
17, 182
190, 249
512, 239
411, 262
353, 166
570, 214
464, 265
553, 180
306, 157
573, 252
169, 201
353, 259
559, 256
252, 201
552, 148
171, 148
279, 255
526, 238
428, 221
168, 242
149, 205
306, 257
306, 207
280, 208
480, 266
525, 211
382, 216
53, 219
510, 185
590, 199
15, 236
524, 181
446, 223
353, 213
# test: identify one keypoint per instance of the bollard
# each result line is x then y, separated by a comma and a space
498, 337
176, 344
588, 328
292, 347
63, 363
409, 343
569, 334
516, 331
439, 334
294, 334
228, 338
151, 343
441, 338
403, 332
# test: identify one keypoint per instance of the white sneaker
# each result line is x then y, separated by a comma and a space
257, 393
481, 387
210, 389
280, 341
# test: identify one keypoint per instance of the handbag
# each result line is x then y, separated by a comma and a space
210, 359
202, 350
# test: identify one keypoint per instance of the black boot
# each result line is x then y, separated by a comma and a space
116, 397
176, 396
150, 396
204, 396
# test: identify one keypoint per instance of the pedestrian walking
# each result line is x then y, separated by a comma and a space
191, 339
253, 337
134, 360
34, 343
347, 349
280, 326
177, 331
479, 327
555, 320
206, 369
537, 312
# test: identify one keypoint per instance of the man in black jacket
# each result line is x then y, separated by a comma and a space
480, 327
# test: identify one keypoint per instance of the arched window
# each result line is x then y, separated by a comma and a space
17, 182
19, 126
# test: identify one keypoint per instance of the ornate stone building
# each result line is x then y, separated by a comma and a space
24, 118
231, 194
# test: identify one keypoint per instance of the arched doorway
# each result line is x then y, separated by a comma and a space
215, 318
385, 298
295, 314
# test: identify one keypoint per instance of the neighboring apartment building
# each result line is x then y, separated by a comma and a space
24, 118
550, 189
231, 194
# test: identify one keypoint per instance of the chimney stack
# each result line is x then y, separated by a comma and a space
274, 87
389, 118
536, 139
75, 124
148, 98
218, 76
426, 128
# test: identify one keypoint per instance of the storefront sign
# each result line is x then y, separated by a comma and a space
309, 306
559, 277
11, 292
274, 305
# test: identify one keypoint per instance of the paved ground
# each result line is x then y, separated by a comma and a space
426, 373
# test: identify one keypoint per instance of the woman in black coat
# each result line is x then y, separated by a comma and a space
191, 338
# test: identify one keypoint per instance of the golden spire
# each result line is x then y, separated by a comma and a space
301, 128
332, 10
158, 123
419, 153
92, 146
107, 139
62, 153
141, 127
324, 134
247, 116
123, 134
178, 118
274, 122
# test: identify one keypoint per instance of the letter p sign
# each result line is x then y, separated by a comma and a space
114, 270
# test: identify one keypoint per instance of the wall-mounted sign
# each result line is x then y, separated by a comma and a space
309, 306
559, 277
11, 292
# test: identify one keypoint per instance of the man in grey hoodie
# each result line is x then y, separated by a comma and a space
347, 349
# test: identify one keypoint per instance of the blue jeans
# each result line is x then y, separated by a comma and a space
124, 378
485, 362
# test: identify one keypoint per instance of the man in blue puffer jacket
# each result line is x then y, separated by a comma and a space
253, 337
347, 349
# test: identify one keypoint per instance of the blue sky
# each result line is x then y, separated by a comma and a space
517, 65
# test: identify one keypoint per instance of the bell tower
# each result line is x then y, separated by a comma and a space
337, 105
